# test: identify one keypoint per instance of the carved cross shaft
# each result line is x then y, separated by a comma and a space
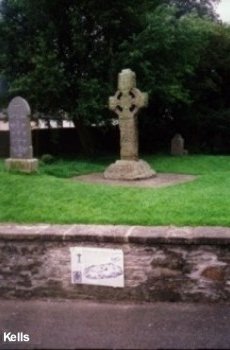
126, 103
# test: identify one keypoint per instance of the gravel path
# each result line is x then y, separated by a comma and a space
161, 180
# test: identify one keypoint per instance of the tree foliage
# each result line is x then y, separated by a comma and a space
167, 52
177, 60
201, 7
209, 113
60, 54
64, 56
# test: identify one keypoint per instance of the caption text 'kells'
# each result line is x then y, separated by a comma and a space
15, 337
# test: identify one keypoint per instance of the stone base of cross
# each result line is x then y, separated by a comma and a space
126, 103
129, 170
22, 165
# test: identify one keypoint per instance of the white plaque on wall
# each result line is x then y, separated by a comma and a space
98, 266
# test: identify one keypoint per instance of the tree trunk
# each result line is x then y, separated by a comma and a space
85, 137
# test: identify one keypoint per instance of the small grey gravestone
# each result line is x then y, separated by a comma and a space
177, 146
126, 103
21, 150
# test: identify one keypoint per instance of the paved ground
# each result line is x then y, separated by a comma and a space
91, 325
161, 180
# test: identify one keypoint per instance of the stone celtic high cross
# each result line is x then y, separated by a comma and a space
126, 103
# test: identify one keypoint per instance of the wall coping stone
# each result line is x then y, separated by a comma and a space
147, 235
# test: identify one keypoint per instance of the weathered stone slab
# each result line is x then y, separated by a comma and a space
21, 150
20, 131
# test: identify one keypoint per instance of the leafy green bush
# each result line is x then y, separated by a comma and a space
47, 159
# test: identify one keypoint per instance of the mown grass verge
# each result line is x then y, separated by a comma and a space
52, 197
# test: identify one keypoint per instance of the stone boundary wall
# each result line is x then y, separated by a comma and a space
161, 263
64, 141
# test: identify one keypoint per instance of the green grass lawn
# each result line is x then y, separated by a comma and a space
52, 196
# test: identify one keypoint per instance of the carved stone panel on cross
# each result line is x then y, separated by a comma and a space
129, 102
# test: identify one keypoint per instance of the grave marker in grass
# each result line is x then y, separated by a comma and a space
21, 150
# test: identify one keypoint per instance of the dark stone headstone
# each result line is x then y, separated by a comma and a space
177, 146
21, 150
20, 130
